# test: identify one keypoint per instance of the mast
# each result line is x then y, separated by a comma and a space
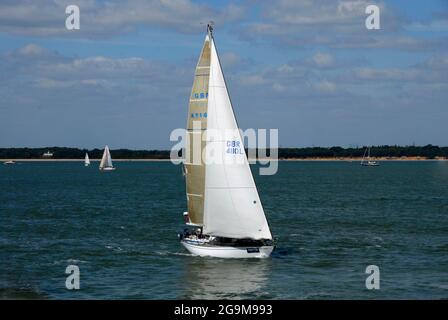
364, 155
210, 29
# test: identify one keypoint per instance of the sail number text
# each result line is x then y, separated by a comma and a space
245, 309
234, 147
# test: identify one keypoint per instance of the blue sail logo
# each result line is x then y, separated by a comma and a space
234, 147
201, 95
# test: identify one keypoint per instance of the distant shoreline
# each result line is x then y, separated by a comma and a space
356, 159
380, 153
261, 159
82, 160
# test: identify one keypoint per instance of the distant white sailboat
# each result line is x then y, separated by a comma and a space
368, 162
224, 209
47, 154
86, 160
106, 161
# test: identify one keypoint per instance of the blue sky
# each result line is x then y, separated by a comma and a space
309, 68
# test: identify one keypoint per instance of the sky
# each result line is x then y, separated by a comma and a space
308, 68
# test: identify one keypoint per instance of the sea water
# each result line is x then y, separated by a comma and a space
331, 220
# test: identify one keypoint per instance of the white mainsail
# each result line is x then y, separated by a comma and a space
106, 160
232, 207
86, 160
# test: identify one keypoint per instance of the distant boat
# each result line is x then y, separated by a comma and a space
106, 161
87, 160
368, 162
224, 209
47, 154
9, 162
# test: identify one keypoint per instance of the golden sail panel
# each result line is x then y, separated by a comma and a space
196, 124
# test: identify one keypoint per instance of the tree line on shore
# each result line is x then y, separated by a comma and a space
75, 153
428, 151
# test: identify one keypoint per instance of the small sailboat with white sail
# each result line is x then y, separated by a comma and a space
47, 154
106, 161
86, 160
225, 215
366, 161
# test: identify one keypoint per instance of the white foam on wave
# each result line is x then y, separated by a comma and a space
441, 286
167, 253
69, 261
117, 248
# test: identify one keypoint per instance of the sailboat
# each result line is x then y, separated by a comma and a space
106, 161
86, 160
225, 217
47, 154
369, 162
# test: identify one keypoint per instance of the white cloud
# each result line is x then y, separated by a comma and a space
138, 90
334, 24
325, 87
30, 66
252, 80
322, 60
438, 62
437, 25
32, 50
108, 18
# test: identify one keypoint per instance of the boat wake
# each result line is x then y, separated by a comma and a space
282, 252
168, 253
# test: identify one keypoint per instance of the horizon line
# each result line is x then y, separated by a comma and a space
279, 147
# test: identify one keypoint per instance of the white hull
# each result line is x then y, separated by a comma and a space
107, 169
227, 251
370, 164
